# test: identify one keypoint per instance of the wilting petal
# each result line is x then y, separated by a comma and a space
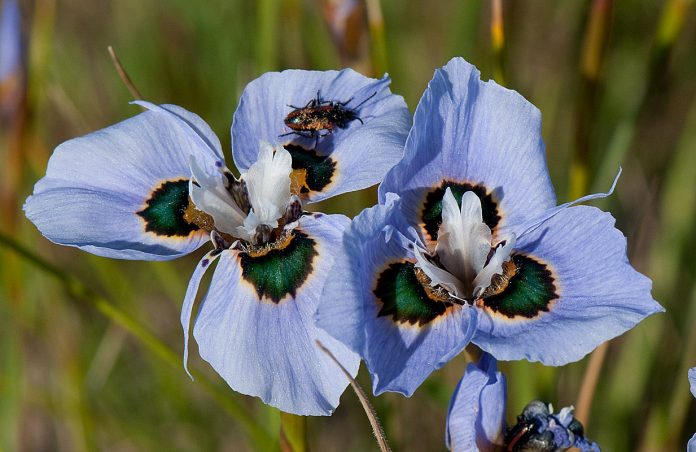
349, 159
473, 135
121, 191
476, 418
256, 323
573, 290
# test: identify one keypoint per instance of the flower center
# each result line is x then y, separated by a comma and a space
465, 262
256, 208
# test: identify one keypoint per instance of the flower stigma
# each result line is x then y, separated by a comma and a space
465, 262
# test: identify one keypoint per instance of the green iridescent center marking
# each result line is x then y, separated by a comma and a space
311, 172
280, 269
431, 215
406, 297
164, 213
529, 292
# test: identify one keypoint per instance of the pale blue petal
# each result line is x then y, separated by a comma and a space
692, 380
467, 130
268, 350
112, 174
103, 223
600, 294
691, 446
476, 418
400, 357
362, 152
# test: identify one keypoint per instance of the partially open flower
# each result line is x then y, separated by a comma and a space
476, 418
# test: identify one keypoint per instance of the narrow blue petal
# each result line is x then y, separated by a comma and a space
692, 380
189, 299
267, 348
580, 292
479, 133
104, 223
349, 159
476, 417
691, 446
121, 191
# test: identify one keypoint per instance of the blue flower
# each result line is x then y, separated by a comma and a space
476, 418
11, 76
155, 187
468, 245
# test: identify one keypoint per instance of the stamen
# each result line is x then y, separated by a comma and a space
294, 210
263, 234
499, 282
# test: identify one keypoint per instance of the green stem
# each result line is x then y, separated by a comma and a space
378, 45
591, 63
498, 41
266, 44
293, 433
77, 289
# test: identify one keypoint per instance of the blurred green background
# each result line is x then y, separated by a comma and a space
90, 348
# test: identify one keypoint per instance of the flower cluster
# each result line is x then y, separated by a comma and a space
466, 245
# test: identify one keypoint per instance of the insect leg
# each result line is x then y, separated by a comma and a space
361, 103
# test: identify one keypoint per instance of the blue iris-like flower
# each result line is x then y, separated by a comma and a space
468, 245
155, 187
476, 418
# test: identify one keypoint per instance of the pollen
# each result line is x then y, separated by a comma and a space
298, 181
500, 282
436, 294
262, 250
197, 217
